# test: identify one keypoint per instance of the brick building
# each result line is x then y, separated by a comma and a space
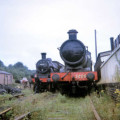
6, 78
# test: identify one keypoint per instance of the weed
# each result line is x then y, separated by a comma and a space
105, 106
117, 92
47, 106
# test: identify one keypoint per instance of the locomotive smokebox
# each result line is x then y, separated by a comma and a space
43, 55
73, 51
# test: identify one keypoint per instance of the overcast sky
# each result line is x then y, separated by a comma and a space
29, 27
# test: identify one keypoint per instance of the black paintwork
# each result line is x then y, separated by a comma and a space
75, 55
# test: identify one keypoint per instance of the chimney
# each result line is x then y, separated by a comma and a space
43, 56
112, 43
119, 39
72, 34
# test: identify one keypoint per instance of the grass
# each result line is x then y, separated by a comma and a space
69, 108
3, 98
106, 107
49, 106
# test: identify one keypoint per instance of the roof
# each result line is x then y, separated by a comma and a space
3, 72
106, 53
113, 53
102, 54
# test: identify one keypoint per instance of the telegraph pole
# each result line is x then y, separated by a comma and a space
95, 45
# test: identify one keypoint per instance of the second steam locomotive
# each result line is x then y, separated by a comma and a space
75, 77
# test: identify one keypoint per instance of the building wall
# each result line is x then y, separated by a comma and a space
2, 78
110, 69
104, 58
6, 79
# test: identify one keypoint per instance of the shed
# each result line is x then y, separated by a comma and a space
6, 78
102, 57
110, 69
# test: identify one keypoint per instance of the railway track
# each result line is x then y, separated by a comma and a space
18, 95
97, 117
28, 114
86, 107
23, 116
14, 96
3, 111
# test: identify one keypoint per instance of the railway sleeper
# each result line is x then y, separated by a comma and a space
3, 112
28, 114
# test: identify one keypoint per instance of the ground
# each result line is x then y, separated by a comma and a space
51, 106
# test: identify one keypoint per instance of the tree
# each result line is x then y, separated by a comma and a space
1, 64
10, 66
18, 70
18, 65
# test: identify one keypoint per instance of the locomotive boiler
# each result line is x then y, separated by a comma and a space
75, 55
77, 74
45, 66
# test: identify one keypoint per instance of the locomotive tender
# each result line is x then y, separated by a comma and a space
76, 76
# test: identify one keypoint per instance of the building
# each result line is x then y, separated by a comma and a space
110, 69
108, 63
6, 78
102, 57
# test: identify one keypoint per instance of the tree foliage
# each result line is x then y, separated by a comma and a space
1, 64
18, 70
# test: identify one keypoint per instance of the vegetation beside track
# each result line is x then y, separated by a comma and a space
51, 106
105, 106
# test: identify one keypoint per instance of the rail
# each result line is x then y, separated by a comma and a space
23, 116
3, 112
18, 95
14, 96
94, 111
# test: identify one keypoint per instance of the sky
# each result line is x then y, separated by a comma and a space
30, 27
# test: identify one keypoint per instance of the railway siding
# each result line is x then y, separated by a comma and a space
4, 111
55, 106
94, 111
12, 97
107, 109
23, 116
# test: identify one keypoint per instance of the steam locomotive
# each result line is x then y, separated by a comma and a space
77, 75
44, 68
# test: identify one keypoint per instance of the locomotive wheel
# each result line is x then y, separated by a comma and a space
62, 91
52, 88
